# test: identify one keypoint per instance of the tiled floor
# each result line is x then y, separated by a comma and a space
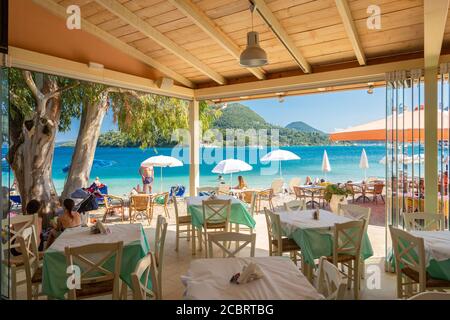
377, 284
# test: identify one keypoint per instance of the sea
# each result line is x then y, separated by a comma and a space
118, 167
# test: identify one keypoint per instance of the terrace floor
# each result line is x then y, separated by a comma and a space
377, 284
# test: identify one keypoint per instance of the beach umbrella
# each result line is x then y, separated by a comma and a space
325, 163
280, 155
162, 162
230, 166
364, 162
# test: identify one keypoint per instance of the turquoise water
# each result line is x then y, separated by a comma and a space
123, 174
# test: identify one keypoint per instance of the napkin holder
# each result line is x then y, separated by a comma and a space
100, 228
249, 273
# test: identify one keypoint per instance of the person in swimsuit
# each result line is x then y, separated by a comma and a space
147, 176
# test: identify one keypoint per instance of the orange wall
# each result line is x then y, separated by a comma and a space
33, 28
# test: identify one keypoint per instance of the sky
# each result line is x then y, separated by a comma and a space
327, 112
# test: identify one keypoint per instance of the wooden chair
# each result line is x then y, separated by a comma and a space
354, 190
376, 191
216, 217
410, 265
95, 279
111, 204
294, 182
347, 251
14, 227
248, 197
420, 221
299, 193
277, 186
32, 266
330, 282
221, 239
145, 270
164, 204
265, 195
160, 240
141, 204
277, 243
183, 224
295, 205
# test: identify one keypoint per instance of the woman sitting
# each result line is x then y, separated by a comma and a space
69, 219
241, 183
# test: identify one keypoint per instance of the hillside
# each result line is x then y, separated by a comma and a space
303, 127
238, 116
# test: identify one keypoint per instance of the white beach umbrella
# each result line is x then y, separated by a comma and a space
364, 162
161, 161
230, 166
280, 155
325, 163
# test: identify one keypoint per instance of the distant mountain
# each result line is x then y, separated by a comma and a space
238, 116
303, 127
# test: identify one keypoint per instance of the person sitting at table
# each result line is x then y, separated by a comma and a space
308, 181
241, 183
69, 219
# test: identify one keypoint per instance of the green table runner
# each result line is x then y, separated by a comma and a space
54, 276
239, 213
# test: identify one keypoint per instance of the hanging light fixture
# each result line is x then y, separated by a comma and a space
253, 55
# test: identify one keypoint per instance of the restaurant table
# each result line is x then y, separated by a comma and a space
437, 252
209, 279
238, 215
363, 186
316, 237
312, 190
54, 276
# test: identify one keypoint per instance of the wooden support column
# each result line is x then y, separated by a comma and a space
431, 145
194, 147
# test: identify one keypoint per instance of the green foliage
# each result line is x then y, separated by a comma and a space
303, 127
334, 189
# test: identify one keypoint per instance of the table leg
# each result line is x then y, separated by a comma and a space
194, 249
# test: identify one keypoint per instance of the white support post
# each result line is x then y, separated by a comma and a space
194, 147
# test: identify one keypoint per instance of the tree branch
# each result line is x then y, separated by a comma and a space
55, 93
27, 75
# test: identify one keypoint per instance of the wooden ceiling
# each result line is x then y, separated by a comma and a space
169, 34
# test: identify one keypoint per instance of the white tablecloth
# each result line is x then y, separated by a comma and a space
304, 219
198, 201
80, 236
210, 279
437, 244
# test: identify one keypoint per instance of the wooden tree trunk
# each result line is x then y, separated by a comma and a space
83, 154
33, 142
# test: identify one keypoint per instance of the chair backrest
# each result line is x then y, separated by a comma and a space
294, 182
216, 211
141, 202
298, 191
348, 238
30, 255
268, 193
330, 282
91, 259
207, 189
295, 205
277, 185
14, 227
162, 195
221, 239
378, 188
431, 295
409, 253
420, 221
145, 270
175, 207
250, 198
274, 231
354, 211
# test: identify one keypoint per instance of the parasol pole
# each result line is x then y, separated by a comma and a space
161, 184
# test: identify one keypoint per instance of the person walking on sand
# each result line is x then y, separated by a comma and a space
147, 175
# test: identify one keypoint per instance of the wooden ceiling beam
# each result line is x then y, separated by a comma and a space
60, 11
270, 19
435, 19
139, 24
350, 28
208, 26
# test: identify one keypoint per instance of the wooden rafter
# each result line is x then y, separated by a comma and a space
350, 28
132, 19
268, 16
213, 31
60, 11
435, 19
